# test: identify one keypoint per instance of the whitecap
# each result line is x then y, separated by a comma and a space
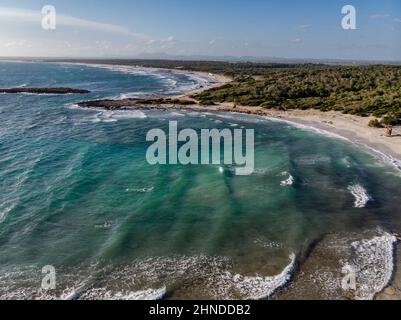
141, 190
289, 181
361, 195
269, 244
114, 116
177, 114
258, 287
5, 212
108, 295
196, 81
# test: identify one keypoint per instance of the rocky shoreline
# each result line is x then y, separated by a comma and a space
59, 90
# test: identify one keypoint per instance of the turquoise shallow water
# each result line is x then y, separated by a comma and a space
78, 194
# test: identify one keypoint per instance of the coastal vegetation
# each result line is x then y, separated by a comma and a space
363, 90
358, 90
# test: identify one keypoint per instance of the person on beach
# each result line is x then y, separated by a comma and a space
389, 131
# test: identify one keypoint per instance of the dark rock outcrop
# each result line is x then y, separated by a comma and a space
44, 90
137, 103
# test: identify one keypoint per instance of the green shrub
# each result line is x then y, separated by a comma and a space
390, 121
375, 123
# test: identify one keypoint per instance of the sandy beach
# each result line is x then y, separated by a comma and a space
352, 127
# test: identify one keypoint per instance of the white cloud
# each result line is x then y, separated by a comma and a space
29, 16
168, 43
17, 43
216, 41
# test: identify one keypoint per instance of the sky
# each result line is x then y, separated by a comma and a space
305, 29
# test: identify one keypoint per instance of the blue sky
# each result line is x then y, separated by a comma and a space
152, 28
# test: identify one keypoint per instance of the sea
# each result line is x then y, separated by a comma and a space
79, 198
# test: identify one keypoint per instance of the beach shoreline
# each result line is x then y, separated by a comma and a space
352, 128
219, 79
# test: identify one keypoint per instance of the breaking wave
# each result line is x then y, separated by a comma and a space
204, 277
289, 181
360, 194
168, 77
373, 264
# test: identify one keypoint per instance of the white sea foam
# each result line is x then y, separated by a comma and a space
268, 244
177, 114
361, 195
141, 190
373, 263
132, 95
262, 171
114, 116
105, 294
4, 212
96, 115
289, 181
384, 157
197, 81
258, 287
308, 128
209, 277
381, 155
106, 225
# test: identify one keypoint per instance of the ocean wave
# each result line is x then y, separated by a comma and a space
354, 266
141, 190
307, 128
132, 95
204, 276
176, 114
257, 288
172, 85
289, 181
108, 116
384, 157
360, 194
262, 171
4, 212
105, 225
108, 295
373, 264
269, 244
